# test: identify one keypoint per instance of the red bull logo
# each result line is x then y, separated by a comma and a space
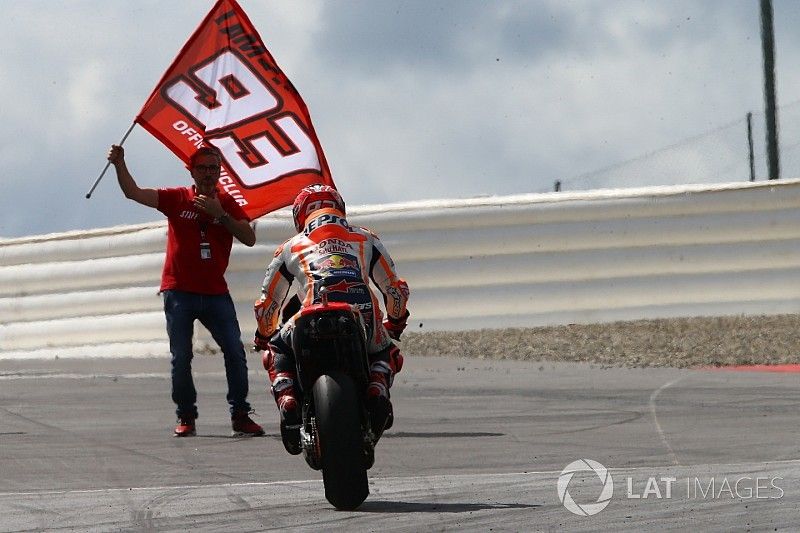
337, 262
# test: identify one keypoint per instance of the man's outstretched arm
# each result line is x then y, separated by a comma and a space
148, 197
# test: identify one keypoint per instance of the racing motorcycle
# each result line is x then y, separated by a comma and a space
336, 436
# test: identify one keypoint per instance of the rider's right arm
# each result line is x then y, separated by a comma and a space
130, 189
274, 290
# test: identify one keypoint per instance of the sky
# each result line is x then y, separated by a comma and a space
411, 100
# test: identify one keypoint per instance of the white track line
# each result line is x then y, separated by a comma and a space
475, 476
11, 376
660, 431
14, 377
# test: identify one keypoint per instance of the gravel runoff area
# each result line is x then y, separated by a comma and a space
676, 342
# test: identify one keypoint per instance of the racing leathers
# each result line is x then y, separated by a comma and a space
343, 258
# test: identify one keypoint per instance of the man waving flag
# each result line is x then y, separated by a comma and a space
225, 89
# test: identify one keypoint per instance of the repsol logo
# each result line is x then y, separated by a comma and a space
324, 220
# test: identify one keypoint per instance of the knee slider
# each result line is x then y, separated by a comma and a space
382, 367
281, 383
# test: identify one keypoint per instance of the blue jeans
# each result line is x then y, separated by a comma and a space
218, 315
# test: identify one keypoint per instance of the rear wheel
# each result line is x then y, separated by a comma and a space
340, 440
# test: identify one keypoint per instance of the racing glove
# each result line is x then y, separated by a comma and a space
260, 342
395, 326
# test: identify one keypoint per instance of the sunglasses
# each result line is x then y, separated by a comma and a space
207, 168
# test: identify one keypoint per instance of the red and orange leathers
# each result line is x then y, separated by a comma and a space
343, 258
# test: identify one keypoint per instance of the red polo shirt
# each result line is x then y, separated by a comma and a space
184, 269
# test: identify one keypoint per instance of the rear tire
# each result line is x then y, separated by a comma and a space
340, 441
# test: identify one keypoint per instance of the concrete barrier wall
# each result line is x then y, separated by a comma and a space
526, 260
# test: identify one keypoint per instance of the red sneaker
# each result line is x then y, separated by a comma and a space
243, 425
185, 427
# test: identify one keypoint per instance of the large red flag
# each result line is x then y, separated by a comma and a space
224, 88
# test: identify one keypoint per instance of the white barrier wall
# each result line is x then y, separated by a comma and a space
526, 260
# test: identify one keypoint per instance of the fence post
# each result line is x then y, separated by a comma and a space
768, 47
750, 146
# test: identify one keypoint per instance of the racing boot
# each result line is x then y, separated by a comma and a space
379, 407
289, 408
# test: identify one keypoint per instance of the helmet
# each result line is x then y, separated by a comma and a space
312, 198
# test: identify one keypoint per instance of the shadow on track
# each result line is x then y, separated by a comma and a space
384, 506
438, 434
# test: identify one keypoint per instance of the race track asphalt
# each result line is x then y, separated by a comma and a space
86, 445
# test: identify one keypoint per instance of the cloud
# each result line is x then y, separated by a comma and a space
410, 99
618, 79
87, 95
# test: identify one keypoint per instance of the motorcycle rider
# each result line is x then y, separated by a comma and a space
328, 252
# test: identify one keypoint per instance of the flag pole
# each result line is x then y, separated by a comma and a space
108, 164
